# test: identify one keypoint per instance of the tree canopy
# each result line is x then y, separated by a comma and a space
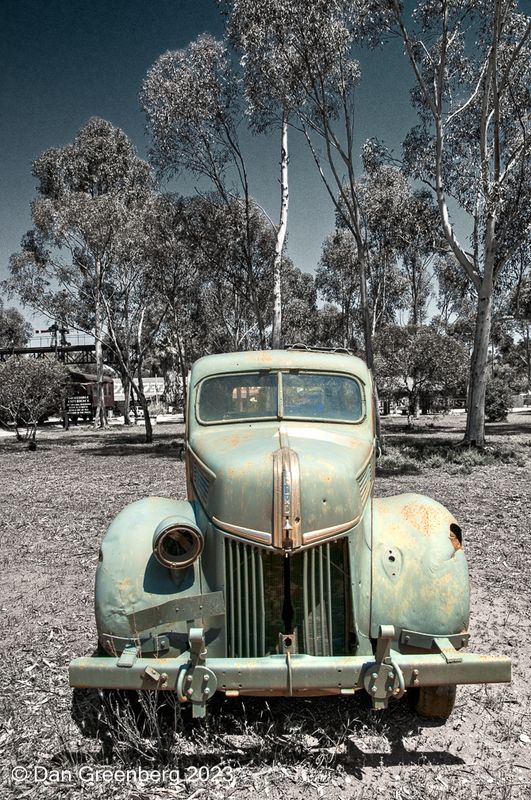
15, 331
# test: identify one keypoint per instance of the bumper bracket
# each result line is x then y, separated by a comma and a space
196, 683
384, 678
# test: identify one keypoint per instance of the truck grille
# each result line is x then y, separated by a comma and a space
255, 595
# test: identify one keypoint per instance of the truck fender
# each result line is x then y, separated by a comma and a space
419, 571
130, 580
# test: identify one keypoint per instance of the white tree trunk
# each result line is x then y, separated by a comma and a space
365, 310
276, 336
126, 383
475, 425
100, 419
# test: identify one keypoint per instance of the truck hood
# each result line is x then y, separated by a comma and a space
254, 479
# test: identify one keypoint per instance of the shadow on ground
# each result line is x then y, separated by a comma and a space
509, 429
327, 731
172, 448
101, 443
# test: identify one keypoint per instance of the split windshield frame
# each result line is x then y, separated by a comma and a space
279, 416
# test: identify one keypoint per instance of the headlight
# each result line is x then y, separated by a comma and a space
176, 545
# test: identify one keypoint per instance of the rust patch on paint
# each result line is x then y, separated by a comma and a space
456, 544
417, 515
424, 517
263, 357
236, 439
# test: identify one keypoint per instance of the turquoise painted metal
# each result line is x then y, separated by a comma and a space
281, 573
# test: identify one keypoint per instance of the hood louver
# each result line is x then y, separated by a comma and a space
365, 480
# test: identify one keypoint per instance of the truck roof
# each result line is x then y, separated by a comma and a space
250, 360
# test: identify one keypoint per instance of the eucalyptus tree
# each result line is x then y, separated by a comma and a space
328, 328
299, 305
15, 331
261, 32
84, 192
225, 311
399, 227
212, 298
419, 244
135, 307
517, 311
472, 145
310, 42
214, 234
337, 280
399, 230
416, 361
177, 238
194, 108
455, 294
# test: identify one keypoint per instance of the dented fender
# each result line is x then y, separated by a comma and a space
129, 579
419, 570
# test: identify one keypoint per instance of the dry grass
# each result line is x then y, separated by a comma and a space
56, 504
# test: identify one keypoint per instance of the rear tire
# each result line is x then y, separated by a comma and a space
435, 702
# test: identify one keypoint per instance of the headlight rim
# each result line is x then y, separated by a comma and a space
163, 530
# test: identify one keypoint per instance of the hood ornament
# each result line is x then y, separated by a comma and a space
287, 533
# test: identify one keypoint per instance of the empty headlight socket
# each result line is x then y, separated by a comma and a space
177, 544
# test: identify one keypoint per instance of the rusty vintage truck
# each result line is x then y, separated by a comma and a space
281, 573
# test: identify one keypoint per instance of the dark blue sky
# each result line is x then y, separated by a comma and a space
63, 61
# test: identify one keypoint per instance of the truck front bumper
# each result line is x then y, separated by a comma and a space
195, 678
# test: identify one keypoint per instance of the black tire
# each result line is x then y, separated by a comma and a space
435, 702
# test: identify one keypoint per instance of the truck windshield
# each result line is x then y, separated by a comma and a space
280, 395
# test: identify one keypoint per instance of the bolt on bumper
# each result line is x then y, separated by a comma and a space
195, 678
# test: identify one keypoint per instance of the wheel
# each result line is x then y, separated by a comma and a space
435, 701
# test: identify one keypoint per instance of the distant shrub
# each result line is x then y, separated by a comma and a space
414, 456
497, 400
30, 389
399, 460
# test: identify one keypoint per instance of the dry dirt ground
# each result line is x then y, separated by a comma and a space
55, 506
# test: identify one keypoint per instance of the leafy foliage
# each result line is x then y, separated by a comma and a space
337, 279
193, 107
479, 94
399, 230
15, 331
29, 389
497, 400
83, 263
289, 46
472, 64
416, 361
86, 191
301, 51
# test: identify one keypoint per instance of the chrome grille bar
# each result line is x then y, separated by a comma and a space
317, 601
230, 598
245, 600
329, 596
238, 600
